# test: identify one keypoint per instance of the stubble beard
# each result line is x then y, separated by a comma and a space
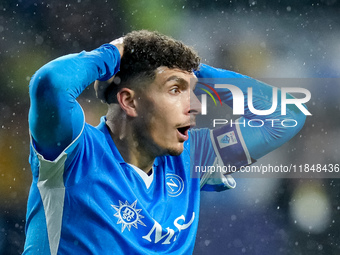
153, 148
174, 152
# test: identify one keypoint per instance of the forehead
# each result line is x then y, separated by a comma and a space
165, 75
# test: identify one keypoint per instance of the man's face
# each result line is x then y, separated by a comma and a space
167, 109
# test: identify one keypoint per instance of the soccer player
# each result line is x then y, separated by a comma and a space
125, 186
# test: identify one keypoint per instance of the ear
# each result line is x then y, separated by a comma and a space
126, 100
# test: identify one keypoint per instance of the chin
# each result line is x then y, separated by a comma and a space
175, 151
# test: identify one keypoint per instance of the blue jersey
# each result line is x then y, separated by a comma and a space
92, 202
88, 200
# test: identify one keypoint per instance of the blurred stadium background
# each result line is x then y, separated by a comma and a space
264, 39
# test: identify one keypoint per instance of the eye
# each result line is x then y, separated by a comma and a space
175, 90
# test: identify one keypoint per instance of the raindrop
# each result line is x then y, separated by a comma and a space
252, 3
39, 40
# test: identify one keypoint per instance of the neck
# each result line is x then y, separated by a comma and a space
133, 150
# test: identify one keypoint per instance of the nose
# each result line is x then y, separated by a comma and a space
195, 104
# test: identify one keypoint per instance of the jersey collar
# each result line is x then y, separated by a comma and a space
104, 129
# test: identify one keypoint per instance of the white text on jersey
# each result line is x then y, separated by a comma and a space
157, 228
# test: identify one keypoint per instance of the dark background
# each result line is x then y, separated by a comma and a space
264, 39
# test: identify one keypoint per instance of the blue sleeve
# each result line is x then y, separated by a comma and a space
55, 117
259, 141
209, 164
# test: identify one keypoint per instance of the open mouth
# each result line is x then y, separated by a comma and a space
183, 131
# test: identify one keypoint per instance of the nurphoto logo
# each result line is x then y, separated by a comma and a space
240, 101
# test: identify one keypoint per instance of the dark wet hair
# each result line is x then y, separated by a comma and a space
144, 52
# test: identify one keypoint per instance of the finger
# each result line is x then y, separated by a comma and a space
100, 87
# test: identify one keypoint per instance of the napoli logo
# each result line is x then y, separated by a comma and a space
174, 185
128, 215
225, 139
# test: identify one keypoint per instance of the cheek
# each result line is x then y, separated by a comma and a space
161, 126
161, 113
159, 123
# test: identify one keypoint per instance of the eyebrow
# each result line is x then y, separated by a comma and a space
176, 78
180, 80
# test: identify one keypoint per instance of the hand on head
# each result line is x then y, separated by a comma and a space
119, 43
101, 86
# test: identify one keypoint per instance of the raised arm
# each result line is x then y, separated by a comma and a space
264, 139
55, 117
